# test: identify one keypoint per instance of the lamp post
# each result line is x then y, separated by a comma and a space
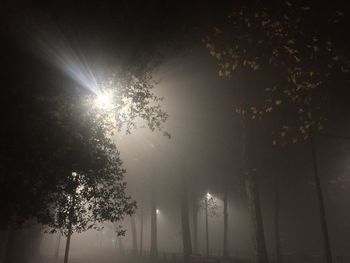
207, 197
154, 245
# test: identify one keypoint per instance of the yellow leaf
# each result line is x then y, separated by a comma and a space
295, 140
274, 142
278, 102
269, 109
209, 46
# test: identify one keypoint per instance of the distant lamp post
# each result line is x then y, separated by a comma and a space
207, 197
157, 211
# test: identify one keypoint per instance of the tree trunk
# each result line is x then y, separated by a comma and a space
277, 223
141, 232
154, 247
134, 236
185, 221
248, 163
260, 252
66, 253
225, 245
326, 241
195, 224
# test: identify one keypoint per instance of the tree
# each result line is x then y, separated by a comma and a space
86, 170
291, 64
44, 142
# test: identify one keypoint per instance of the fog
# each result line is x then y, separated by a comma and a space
214, 142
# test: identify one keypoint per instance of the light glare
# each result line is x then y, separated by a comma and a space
104, 101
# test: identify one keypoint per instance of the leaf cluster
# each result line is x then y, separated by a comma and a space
303, 62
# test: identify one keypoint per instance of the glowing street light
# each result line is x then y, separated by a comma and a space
104, 101
157, 211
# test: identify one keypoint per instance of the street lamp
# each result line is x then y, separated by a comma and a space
207, 197
157, 211
104, 100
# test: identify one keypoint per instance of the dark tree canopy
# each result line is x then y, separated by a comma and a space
292, 57
62, 151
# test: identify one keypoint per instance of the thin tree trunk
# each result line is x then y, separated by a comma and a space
134, 235
66, 253
154, 247
185, 222
259, 246
326, 241
141, 232
260, 253
225, 245
195, 224
277, 223
70, 230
